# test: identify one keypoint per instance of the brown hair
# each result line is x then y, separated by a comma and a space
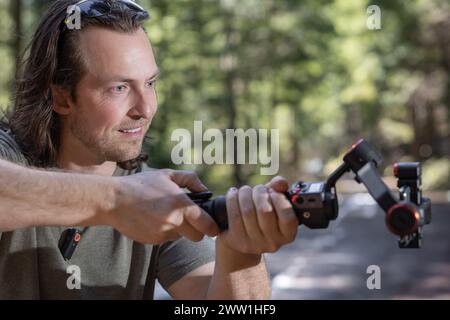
55, 59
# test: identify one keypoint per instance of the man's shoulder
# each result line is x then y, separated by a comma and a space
10, 149
7, 138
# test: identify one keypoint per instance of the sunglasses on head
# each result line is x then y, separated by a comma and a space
98, 8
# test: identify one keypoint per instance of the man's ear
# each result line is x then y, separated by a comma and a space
62, 100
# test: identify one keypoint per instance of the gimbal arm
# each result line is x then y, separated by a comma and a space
404, 216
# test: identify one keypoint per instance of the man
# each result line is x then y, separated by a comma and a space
83, 104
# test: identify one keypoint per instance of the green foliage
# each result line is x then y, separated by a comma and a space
436, 174
309, 68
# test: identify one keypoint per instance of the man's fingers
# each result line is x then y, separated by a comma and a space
197, 218
279, 184
186, 179
287, 220
248, 213
267, 218
189, 232
235, 222
200, 220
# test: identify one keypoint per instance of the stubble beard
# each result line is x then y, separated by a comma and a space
109, 146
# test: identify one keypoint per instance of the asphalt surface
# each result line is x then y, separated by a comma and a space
332, 263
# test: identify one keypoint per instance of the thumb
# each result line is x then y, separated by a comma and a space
187, 179
279, 184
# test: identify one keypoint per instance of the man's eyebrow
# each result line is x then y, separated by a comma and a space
122, 79
155, 75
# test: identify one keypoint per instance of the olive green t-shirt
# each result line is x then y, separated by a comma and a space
105, 265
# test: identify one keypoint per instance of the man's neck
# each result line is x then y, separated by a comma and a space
73, 156
106, 168
84, 162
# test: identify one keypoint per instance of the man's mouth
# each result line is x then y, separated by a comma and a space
131, 130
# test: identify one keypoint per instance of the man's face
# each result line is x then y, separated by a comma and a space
116, 98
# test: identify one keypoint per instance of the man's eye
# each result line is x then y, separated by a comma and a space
119, 89
151, 83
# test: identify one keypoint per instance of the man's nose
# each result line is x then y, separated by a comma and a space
144, 105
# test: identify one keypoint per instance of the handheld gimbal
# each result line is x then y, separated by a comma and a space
316, 203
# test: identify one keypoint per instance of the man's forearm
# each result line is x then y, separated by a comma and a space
32, 197
238, 275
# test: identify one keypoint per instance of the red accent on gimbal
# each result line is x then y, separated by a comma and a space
396, 169
414, 213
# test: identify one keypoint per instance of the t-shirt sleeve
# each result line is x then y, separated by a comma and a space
9, 149
177, 258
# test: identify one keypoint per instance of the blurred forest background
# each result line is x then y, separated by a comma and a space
310, 68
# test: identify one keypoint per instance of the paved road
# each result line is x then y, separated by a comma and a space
332, 263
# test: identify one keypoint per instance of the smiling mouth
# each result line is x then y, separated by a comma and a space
133, 130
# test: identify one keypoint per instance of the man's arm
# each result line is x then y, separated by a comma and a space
32, 198
233, 276
238, 275
149, 207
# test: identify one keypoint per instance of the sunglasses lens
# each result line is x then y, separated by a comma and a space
94, 8
132, 5
97, 8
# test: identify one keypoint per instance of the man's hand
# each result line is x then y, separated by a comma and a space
259, 219
152, 208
